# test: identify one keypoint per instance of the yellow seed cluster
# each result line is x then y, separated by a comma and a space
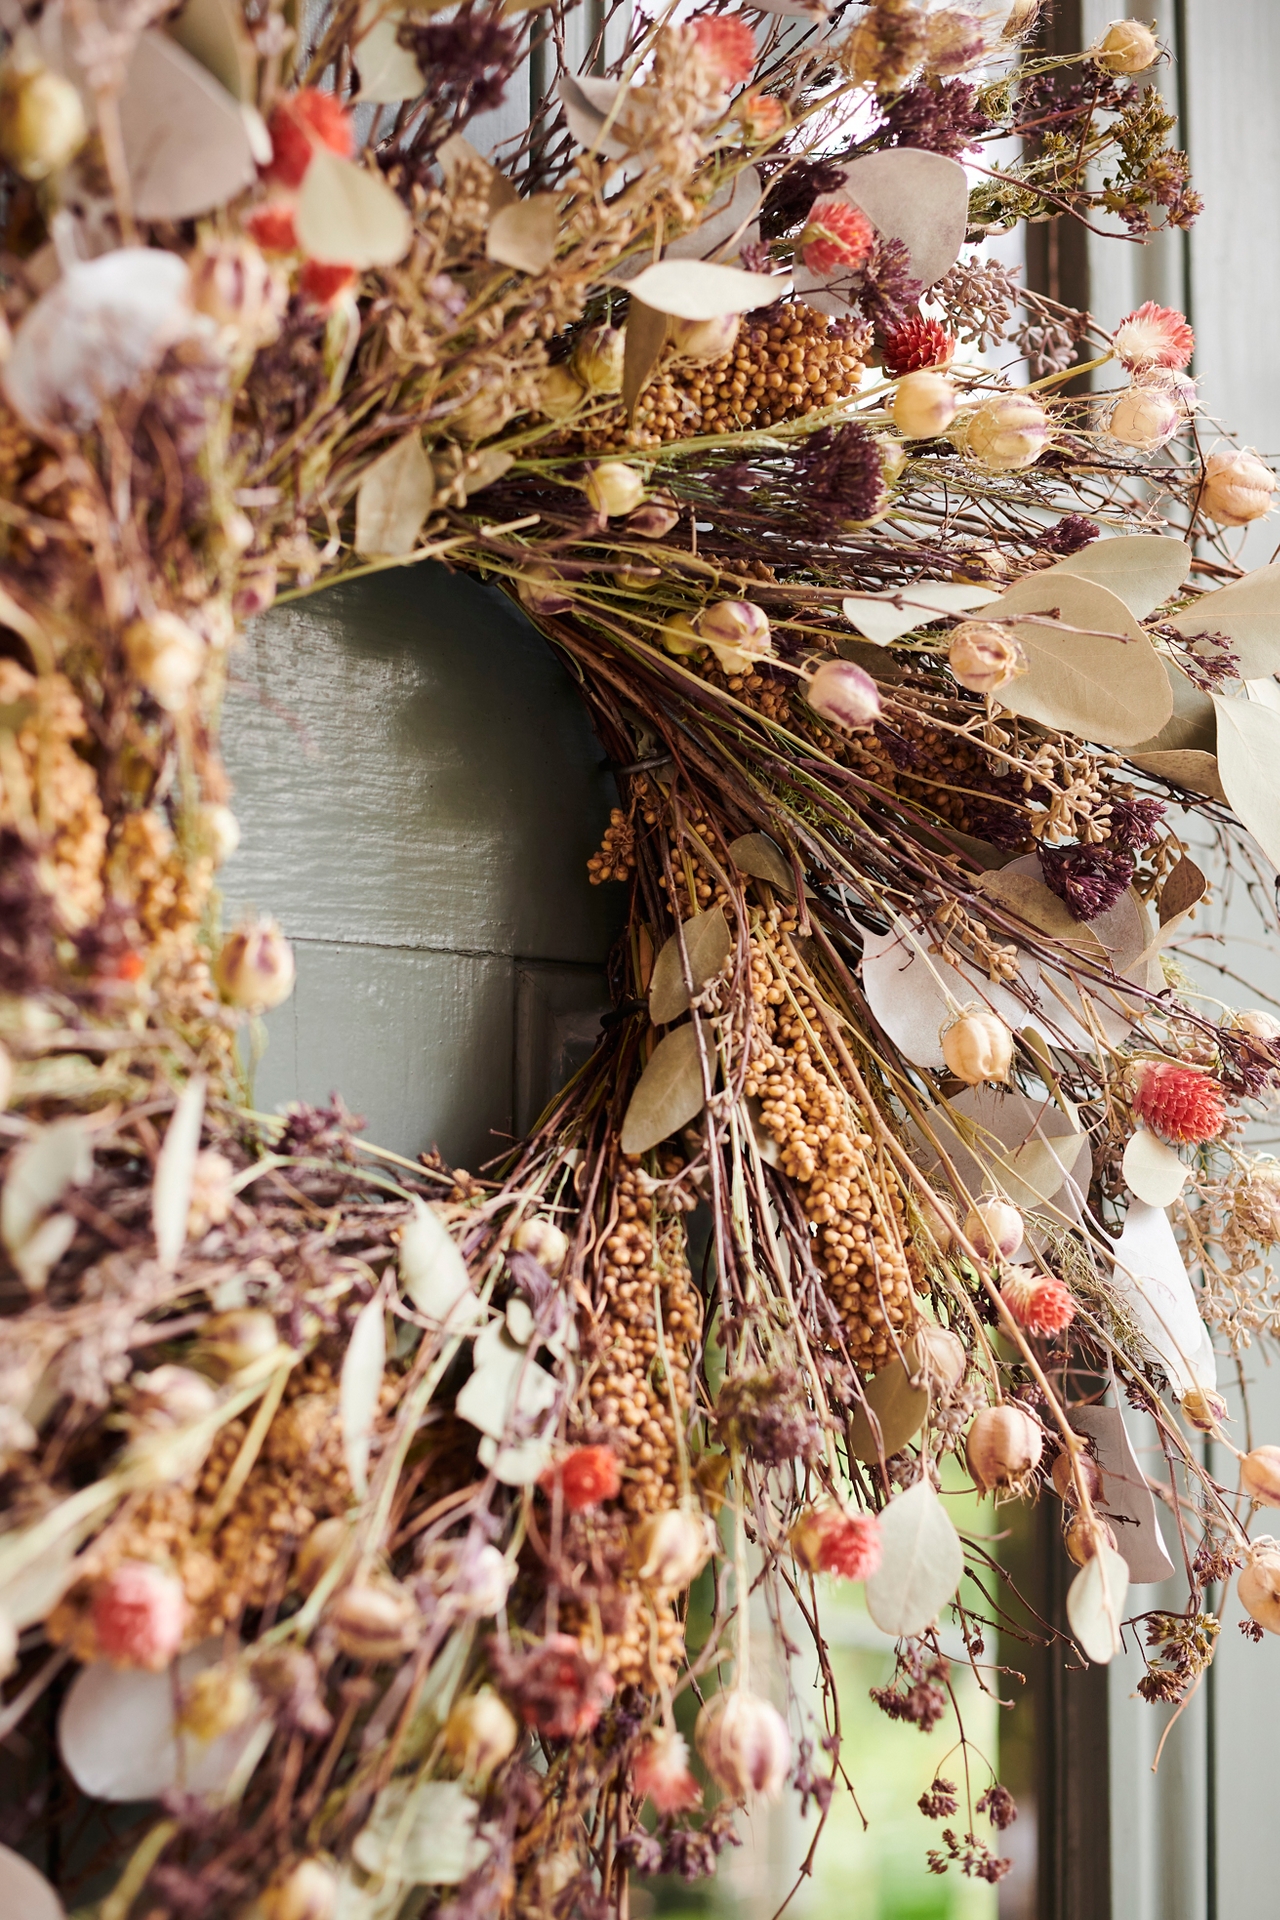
697, 888
794, 366
616, 859
47, 783
805, 1108
165, 891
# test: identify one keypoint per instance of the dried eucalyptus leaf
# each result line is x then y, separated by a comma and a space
726, 219
1150, 1277
708, 944
525, 234
876, 617
1248, 613
704, 290
643, 341
1185, 767
1153, 1170
669, 1094
506, 1383
1191, 726
899, 1408
588, 106
433, 1273
1126, 1496
1249, 763
917, 197
186, 145
921, 1566
1142, 569
756, 854
422, 1833
394, 499
24, 1893
117, 1737
175, 1169
1028, 898
1110, 689
52, 1159
36, 1590
214, 33
1095, 1604
388, 72
1184, 888
348, 215
363, 1365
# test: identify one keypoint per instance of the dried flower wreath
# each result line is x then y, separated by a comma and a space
353, 1505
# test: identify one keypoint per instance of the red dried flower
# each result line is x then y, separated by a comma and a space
297, 123
558, 1688
139, 1614
660, 1772
1153, 336
1037, 1301
271, 225
726, 46
323, 284
838, 235
1181, 1104
586, 1476
760, 114
827, 1540
918, 343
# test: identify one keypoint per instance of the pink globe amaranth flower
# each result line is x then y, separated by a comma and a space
557, 1686
1153, 336
1038, 1302
660, 1773
827, 1540
726, 46
586, 1476
838, 235
139, 1614
760, 114
745, 1744
1181, 1104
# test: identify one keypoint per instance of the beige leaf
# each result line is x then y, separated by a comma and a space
1095, 1604
25, 1894
1184, 767
388, 72
756, 854
921, 1565
175, 1167
433, 1272
1249, 764
1029, 899
908, 992
394, 499
186, 145
899, 1409
1191, 725
1248, 612
704, 290
49, 1161
643, 340
363, 1365
1153, 1170
708, 944
669, 1093
1184, 889
214, 33
726, 219
589, 106
349, 216
1142, 569
1110, 689
880, 621
524, 235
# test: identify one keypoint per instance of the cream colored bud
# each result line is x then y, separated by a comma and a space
680, 637
894, 458
737, 632
232, 1341
845, 695
484, 415
166, 657
1064, 1480
1237, 487
480, 1734
1171, 380
255, 966
672, 1547
318, 1552
235, 285
745, 1744
985, 657
1084, 1534
982, 565
978, 1046
1126, 47
614, 488
1260, 1475
1258, 1587
636, 577
655, 518
376, 1620
597, 359
1257, 1024
170, 1396
1003, 1447
994, 1229
1144, 417
8, 1646
42, 123
704, 340
217, 833
559, 393
212, 1191
924, 405
936, 1356
308, 1890
543, 1241
218, 1700
1008, 432
542, 590
1203, 1410
6, 1076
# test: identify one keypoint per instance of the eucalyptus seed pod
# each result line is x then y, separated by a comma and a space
1260, 1475
255, 966
1064, 1483
308, 1890
1084, 1534
375, 1620
844, 694
1257, 1024
994, 1229
924, 405
319, 1551
978, 1046
956, 41
671, 1548
737, 632
597, 359
1203, 1410
171, 1397
1002, 1447
936, 1357
614, 488
166, 657
1237, 487
1144, 417
483, 416
984, 657
1126, 47
1008, 432
232, 1341
704, 340
1258, 1584
543, 1241
745, 1744
480, 1733
42, 123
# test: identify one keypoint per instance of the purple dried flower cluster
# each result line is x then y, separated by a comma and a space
942, 117
1088, 880
999, 1806
939, 1802
1135, 824
918, 1690
1070, 534
691, 1852
889, 290
842, 474
974, 1860
470, 59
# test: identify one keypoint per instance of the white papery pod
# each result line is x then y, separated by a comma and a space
24, 1893
363, 1365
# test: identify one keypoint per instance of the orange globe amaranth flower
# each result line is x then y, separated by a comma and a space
918, 344
759, 114
1153, 336
726, 46
1182, 1105
585, 1477
271, 225
299, 123
1038, 1302
661, 1773
323, 284
838, 235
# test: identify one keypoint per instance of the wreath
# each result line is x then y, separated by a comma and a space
354, 1504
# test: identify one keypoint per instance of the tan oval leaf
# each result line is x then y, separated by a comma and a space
25, 1894
1104, 681
1248, 612
349, 216
669, 1093
358, 1388
921, 1566
704, 290
175, 1169
899, 1409
1095, 1604
186, 145
1153, 1170
643, 341
214, 33
756, 854
1184, 889
877, 618
1029, 899
388, 72
1249, 763
524, 235
1184, 767
1142, 569
394, 499
708, 944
